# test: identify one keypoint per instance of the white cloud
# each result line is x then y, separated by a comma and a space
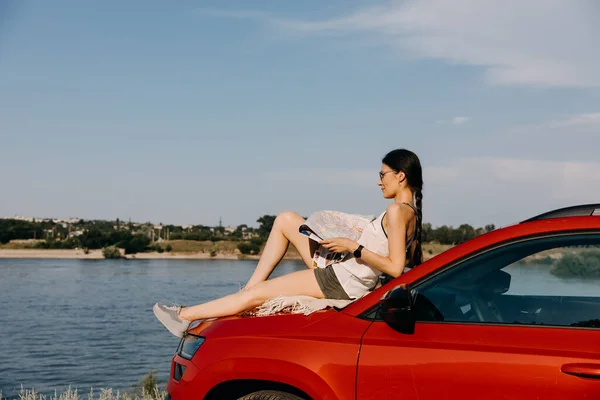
592, 119
542, 43
508, 190
455, 121
556, 176
459, 120
574, 137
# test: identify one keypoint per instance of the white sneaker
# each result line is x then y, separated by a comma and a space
169, 317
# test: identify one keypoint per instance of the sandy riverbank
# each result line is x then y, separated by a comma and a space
97, 254
184, 253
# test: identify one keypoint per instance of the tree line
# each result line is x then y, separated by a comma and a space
97, 234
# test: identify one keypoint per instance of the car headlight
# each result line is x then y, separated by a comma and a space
189, 345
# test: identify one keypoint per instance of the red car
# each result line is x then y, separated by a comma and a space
511, 314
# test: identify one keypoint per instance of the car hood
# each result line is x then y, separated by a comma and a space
244, 325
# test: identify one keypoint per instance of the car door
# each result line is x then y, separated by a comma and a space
517, 321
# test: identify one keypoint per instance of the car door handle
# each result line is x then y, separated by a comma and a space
582, 370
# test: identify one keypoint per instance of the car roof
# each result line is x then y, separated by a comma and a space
582, 210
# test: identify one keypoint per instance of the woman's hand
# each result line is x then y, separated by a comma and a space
339, 244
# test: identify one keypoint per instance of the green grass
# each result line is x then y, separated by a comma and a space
146, 389
433, 249
102, 394
20, 244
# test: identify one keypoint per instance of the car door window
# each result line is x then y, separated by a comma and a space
549, 281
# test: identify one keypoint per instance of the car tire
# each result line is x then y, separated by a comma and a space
270, 395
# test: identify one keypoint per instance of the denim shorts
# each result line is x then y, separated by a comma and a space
330, 284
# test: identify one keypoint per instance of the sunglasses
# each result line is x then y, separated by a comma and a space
382, 174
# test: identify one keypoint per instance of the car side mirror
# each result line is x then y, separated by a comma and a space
396, 309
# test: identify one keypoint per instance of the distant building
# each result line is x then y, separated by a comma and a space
65, 221
21, 218
62, 221
249, 235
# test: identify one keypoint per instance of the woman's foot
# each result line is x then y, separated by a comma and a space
169, 317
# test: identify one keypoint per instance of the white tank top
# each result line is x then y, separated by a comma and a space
355, 276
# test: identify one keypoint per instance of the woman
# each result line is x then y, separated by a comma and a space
390, 245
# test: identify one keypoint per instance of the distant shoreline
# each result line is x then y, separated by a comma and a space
97, 255
181, 251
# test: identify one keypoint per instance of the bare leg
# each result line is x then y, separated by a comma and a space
284, 232
294, 284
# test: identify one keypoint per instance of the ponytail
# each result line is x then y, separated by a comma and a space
417, 257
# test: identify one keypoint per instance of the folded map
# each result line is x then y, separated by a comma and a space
330, 224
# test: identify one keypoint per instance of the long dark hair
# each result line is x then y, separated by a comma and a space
402, 160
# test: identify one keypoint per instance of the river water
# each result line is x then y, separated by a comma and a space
89, 323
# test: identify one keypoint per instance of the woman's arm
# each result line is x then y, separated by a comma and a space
397, 218
393, 265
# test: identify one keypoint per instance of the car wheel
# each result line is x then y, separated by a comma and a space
270, 395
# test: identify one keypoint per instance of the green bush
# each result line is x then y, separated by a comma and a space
93, 238
545, 261
537, 261
147, 388
257, 241
248, 248
138, 244
169, 248
199, 236
581, 265
148, 383
111, 252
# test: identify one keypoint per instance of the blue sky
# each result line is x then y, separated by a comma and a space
185, 112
